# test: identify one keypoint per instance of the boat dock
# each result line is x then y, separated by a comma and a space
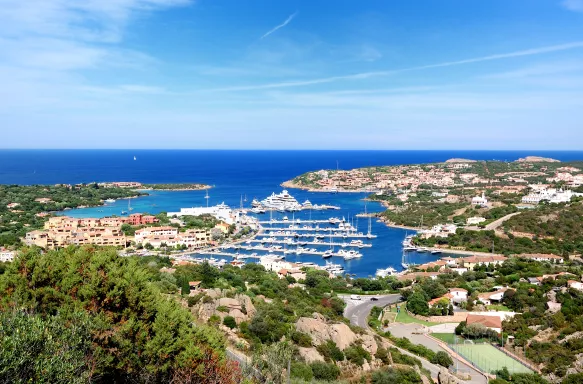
302, 243
298, 221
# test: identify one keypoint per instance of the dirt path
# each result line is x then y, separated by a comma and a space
496, 223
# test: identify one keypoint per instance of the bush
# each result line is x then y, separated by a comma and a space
230, 322
324, 371
391, 375
207, 299
302, 339
301, 371
214, 320
356, 354
222, 308
443, 359
330, 351
193, 300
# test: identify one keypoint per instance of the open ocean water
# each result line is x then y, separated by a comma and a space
254, 174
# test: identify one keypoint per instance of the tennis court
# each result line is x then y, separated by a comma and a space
488, 358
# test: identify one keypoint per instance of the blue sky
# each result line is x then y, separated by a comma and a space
301, 74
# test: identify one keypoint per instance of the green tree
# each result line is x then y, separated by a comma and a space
230, 322
443, 359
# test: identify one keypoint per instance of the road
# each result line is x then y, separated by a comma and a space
415, 333
496, 223
357, 312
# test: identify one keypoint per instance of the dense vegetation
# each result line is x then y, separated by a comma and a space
80, 314
431, 213
488, 241
16, 221
176, 187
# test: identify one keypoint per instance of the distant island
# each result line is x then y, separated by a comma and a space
176, 187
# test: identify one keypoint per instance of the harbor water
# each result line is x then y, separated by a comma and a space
235, 175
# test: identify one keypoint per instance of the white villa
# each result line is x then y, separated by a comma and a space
552, 195
480, 200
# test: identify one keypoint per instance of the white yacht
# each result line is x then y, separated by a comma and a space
307, 204
256, 203
327, 254
110, 201
282, 201
384, 272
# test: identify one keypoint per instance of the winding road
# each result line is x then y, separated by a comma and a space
357, 311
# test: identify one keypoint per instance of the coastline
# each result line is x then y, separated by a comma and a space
290, 184
179, 188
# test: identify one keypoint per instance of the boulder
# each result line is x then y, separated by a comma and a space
369, 343
319, 316
214, 293
238, 315
317, 329
444, 377
229, 303
245, 302
205, 311
342, 335
310, 355
366, 366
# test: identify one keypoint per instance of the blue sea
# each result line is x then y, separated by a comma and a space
233, 174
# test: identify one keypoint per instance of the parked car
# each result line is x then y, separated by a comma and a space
374, 299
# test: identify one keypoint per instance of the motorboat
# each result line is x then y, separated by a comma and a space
327, 254
384, 272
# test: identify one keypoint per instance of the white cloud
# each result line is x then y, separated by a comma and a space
368, 75
573, 5
286, 22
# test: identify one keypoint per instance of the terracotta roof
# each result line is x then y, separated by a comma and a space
458, 290
539, 256
486, 321
194, 283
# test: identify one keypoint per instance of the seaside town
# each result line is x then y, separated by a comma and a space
474, 312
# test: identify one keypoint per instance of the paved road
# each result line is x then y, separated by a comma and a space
414, 332
357, 311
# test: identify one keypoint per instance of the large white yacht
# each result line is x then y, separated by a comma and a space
384, 272
282, 201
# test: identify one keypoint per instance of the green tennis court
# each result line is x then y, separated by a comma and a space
488, 358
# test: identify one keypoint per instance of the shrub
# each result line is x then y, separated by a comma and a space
302, 339
214, 320
207, 299
391, 375
442, 358
301, 371
330, 351
356, 354
324, 371
230, 322
193, 300
222, 308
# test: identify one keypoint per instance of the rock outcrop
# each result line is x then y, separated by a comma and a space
317, 329
342, 335
310, 355
444, 377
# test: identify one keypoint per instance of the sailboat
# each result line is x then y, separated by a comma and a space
329, 252
369, 234
129, 208
403, 263
207, 197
